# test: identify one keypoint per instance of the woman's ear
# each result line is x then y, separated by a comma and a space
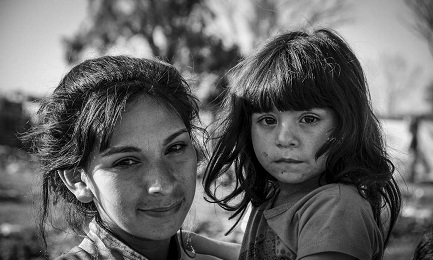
75, 181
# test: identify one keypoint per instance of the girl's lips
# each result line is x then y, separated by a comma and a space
287, 160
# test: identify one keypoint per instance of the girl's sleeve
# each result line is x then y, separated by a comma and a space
339, 220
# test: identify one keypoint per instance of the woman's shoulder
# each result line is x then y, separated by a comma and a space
76, 253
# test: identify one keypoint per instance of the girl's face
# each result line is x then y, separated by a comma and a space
144, 182
286, 143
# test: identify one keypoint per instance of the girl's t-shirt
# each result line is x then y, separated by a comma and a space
330, 218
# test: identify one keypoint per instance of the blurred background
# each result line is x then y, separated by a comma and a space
42, 39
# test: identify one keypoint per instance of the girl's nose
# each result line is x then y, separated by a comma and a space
160, 180
286, 136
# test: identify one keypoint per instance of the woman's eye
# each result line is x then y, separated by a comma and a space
176, 148
268, 120
125, 163
309, 119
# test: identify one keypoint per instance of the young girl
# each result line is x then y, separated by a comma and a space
115, 142
307, 152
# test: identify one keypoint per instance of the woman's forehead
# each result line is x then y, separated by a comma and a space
146, 112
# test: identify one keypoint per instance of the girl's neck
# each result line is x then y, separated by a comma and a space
287, 191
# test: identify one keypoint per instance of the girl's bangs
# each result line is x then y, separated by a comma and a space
287, 90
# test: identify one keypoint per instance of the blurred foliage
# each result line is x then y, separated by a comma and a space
175, 21
174, 31
203, 39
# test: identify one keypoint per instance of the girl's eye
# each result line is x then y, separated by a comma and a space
268, 120
123, 163
176, 148
309, 119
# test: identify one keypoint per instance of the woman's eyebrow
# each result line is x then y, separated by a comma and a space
118, 149
174, 135
129, 149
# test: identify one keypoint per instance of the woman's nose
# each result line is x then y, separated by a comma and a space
160, 179
286, 136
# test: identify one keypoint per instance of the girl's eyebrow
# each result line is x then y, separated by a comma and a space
128, 149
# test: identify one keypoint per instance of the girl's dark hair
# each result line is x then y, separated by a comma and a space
424, 248
300, 71
81, 115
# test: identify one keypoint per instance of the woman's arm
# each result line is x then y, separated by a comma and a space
207, 246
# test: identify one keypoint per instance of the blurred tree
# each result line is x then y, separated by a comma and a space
423, 13
294, 13
429, 94
188, 33
247, 23
400, 85
173, 30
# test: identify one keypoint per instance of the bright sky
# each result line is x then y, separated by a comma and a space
383, 28
32, 55
31, 50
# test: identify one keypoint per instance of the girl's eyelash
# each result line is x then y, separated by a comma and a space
313, 117
265, 116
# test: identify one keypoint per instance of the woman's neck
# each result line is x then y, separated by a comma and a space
151, 249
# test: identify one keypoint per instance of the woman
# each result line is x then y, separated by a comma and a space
116, 144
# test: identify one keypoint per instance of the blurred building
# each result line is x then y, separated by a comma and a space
13, 120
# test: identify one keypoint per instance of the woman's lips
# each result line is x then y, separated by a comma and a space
162, 211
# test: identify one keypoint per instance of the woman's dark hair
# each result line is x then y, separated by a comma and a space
300, 71
82, 112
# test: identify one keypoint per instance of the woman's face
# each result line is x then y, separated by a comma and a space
144, 182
